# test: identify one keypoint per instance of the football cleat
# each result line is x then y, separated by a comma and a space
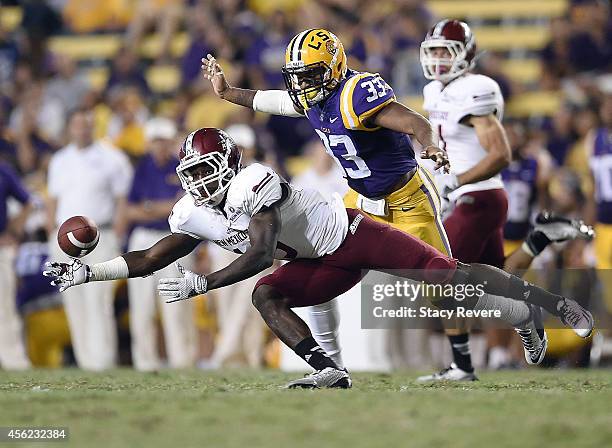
534, 338
558, 229
575, 316
451, 373
329, 377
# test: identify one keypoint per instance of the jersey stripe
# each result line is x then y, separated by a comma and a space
432, 184
367, 114
349, 118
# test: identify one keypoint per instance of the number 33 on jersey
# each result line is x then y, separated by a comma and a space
372, 158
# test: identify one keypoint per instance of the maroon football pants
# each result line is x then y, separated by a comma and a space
369, 245
475, 228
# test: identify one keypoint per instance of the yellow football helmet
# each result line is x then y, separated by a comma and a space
315, 63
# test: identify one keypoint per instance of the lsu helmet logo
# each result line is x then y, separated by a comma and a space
315, 63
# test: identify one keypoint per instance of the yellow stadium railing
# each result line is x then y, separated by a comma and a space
10, 17
525, 71
500, 38
104, 46
499, 9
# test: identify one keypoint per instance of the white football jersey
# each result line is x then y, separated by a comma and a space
311, 226
447, 105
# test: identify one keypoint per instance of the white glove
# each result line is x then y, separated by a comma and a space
175, 289
66, 275
446, 183
446, 207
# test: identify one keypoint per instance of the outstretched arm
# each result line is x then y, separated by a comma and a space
397, 117
277, 102
132, 264
264, 229
163, 253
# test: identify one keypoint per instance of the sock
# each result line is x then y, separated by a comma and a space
461, 351
324, 322
535, 243
514, 312
523, 290
499, 283
313, 354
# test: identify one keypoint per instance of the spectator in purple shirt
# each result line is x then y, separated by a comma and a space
126, 71
155, 189
267, 53
12, 350
590, 46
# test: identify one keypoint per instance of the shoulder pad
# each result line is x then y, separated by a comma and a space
253, 188
362, 95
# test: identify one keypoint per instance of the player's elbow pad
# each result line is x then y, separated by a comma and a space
276, 102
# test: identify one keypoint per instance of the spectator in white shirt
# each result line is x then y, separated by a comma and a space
153, 193
90, 178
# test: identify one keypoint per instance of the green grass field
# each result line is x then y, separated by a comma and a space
124, 408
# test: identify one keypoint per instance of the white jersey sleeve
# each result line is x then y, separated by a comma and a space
181, 215
482, 97
254, 188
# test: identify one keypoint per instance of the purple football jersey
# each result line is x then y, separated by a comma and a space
601, 165
520, 178
372, 158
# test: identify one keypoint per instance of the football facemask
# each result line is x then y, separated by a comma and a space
206, 178
308, 85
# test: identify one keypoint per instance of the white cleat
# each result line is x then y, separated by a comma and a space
575, 316
558, 229
329, 377
534, 338
451, 373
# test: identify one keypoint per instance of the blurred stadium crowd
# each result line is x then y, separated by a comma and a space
126, 73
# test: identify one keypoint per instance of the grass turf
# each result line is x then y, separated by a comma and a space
123, 408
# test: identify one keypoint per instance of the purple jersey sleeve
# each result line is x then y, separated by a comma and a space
15, 187
362, 96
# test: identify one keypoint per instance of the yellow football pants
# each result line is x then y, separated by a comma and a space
603, 254
47, 336
413, 209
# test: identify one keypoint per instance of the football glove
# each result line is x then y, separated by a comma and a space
66, 275
438, 156
185, 287
446, 183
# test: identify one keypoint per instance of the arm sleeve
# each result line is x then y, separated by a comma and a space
362, 96
276, 102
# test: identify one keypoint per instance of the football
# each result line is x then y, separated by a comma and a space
78, 236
